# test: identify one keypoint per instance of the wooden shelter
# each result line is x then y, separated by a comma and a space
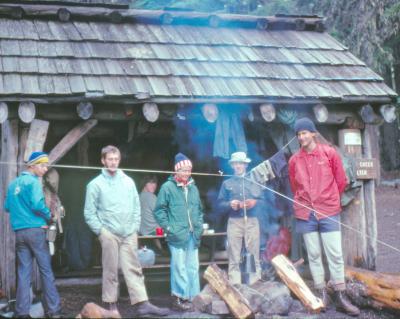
84, 75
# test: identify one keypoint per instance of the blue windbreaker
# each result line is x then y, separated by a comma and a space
25, 202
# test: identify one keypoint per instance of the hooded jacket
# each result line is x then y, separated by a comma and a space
179, 211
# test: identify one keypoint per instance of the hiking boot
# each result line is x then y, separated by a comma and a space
181, 304
323, 295
146, 308
113, 308
343, 304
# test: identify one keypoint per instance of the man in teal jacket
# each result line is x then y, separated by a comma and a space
112, 211
179, 212
29, 216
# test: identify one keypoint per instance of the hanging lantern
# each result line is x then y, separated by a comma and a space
268, 112
321, 113
151, 112
210, 112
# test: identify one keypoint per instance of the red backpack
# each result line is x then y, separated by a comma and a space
278, 244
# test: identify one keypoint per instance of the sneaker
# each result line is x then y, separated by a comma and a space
181, 304
147, 308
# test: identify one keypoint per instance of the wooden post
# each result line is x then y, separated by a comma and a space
3, 112
9, 154
350, 142
70, 140
36, 138
237, 304
370, 142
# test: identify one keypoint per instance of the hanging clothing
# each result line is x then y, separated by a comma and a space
229, 132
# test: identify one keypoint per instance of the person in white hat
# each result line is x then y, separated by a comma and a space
232, 201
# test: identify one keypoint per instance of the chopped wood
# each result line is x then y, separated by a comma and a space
237, 304
70, 140
382, 288
288, 273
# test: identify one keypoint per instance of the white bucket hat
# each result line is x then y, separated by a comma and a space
240, 157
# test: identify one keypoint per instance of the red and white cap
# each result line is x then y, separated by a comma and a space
181, 160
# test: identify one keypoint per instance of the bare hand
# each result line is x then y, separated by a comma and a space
235, 204
250, 203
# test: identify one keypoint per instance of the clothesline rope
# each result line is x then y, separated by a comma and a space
221, 174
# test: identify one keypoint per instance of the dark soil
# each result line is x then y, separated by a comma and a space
388, 211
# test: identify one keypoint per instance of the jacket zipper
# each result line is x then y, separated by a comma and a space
185, 193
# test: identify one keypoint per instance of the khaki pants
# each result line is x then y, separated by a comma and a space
119, 251
332, 242
235, 234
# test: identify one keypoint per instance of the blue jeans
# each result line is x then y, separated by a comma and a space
31, 243
185, 282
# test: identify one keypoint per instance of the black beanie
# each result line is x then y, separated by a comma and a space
304, 124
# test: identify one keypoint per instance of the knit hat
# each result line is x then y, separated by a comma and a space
38, 158
304, 124
181, 160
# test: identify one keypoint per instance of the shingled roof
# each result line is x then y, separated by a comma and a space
140, 56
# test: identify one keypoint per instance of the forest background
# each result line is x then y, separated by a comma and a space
369, 28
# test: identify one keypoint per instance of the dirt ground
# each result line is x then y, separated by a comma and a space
388, 211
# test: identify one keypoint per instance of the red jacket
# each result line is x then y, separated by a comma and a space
317, 180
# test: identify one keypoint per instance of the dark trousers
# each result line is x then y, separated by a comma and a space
31, 243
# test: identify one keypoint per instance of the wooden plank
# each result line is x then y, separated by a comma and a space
9, 154
237, 304
36, 138
288, 273
70, 140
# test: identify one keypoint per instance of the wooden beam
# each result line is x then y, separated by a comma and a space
85, 110
288, 273
70, 140
3, 112
268, 112
9, 154
237, 304
36, 138
388, 111
369, 116
321, 113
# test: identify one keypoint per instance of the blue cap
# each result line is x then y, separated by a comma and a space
304, 124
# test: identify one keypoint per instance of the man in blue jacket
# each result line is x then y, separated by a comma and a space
112, 211
29, 216
232, 201
180, 213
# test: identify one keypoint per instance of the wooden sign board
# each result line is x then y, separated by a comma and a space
367, 168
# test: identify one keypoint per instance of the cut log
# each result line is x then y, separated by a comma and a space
321, 113
369, 116
151, 112
237, 304
382, 289
36, 137
84, 110
210, 112
63, 15
26, 111
388, 111
288, 273
70, 140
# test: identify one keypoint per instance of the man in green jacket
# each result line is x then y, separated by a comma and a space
179, 212
112, 211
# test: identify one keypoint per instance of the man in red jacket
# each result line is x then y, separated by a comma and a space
317, 179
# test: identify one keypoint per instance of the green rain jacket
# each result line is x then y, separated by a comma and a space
179, 211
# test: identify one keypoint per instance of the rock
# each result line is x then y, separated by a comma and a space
218, 307
277, 297
297, 307
254, 298
204, 298
91, 310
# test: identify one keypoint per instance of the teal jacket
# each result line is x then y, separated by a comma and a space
112, 202
25, 202
179, 211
